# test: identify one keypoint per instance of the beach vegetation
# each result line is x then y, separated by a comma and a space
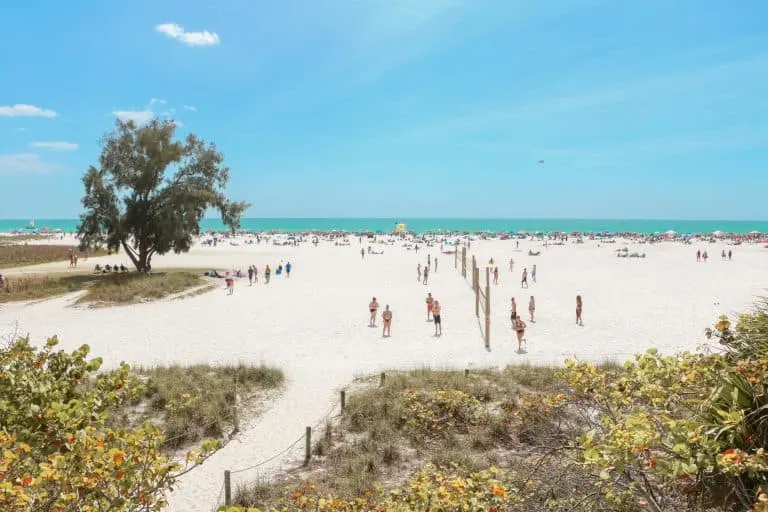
190, 403
22, 255
150, 191
104, 289
683, 432
57, 450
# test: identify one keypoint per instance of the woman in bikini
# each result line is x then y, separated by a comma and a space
519, 326
430, 305
387, 317
373, 306
579, 306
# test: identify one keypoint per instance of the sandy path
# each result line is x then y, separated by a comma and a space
313, 325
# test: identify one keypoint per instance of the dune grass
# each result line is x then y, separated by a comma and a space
446, 418
21, 255
104, 289
194, 402
127, 288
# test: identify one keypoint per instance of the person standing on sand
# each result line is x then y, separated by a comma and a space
730, 254
579, 306
362, 253
418, 272
429, 259
373, 307
426, 275
495, 275
513, 310
430, 305
722, 255
230, 283
519, 327
533, 273
288, 267
435, 263
387, 317
704, 256
511, 264
436, 309
524, 280
532, 309
267, 274
250, 275
698, 255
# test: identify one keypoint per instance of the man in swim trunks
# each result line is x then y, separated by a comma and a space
426, 274
524, 281
373, 307
436, 308
430, 304
387, 317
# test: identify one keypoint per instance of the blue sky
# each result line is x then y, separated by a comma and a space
382, 108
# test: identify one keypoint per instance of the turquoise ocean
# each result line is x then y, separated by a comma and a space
423, 225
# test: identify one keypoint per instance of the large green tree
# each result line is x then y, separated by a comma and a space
151, 191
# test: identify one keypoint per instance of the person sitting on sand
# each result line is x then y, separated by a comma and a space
519, 327
387, 317
436, 309
430, 305
532, 308
373, 307
579, 306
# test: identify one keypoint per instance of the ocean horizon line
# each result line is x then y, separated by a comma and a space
430, 224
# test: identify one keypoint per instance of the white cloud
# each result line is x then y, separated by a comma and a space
177, 32
137, 116
23, 110
21, 129
24, 162
190, 108
55, 146
156, 100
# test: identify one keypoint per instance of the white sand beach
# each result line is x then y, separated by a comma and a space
313, 325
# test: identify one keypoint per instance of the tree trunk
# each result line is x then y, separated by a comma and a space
131, 254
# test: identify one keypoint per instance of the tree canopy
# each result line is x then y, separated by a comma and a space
151, 191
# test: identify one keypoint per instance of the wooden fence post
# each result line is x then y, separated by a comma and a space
227, 489
477, 291
308, 446
343, 399
487, 313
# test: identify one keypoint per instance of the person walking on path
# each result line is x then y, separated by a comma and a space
373, 307
436, 308
430, 305
533, 273
426, 275
387, 317
495, 275
519, 327
267, 274
579, 306
524, 280
532, 308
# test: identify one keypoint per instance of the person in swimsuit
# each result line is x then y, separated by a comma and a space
267, 274
255, 274
730, 254
418, 272
430, 305
532, 308
387, 317
436, 309
524, 280
511, 264
288, 269
495, 275
519, 327
579, 306
250, 275
513, 310
533, 273
426, 275
373, 307
362, 253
